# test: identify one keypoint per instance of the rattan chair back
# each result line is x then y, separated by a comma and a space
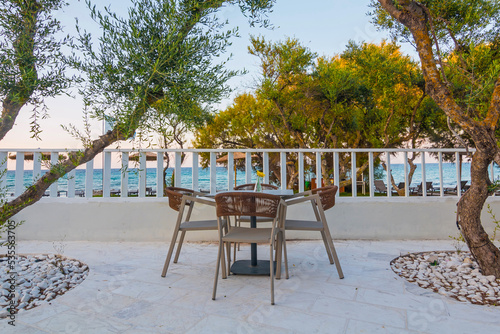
247, 204
327, 196
175, 196
251, 186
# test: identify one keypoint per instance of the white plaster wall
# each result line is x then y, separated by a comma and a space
151, 219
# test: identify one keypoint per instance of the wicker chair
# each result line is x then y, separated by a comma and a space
179, 199
246, 219
251, 186
235, 204
321, 200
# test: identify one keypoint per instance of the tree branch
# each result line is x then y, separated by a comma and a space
414, 17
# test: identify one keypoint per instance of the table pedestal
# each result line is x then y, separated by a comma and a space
252, 266
245, 267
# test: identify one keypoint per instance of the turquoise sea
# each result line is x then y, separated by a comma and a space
432, 174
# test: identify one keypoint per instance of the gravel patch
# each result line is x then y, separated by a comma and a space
37, 279
452, 274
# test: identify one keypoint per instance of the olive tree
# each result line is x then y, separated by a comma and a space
459, 50
164, 50
31, 59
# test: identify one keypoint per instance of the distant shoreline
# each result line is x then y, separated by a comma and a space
432, 174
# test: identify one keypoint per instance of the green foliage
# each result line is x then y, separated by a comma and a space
458, 242
466, 36
494, 186
160, 54
32, 64
158, 61
469, 22
368, 96
495, 221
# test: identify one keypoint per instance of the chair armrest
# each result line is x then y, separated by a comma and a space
201, 200
309, 198
198, 193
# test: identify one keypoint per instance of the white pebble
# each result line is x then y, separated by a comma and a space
491, 278
38, 280
25, 298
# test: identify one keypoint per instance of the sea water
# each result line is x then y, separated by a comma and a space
397, 170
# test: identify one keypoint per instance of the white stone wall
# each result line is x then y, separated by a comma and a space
151, 219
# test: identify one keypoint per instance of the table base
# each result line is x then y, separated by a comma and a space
244, 267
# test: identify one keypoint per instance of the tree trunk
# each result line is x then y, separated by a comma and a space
469, 210
33, 193
24, 48
413, 167
10, 111
414, 16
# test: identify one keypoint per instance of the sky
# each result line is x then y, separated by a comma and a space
324, 26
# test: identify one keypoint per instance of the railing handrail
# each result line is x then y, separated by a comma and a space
301, 157
258, 150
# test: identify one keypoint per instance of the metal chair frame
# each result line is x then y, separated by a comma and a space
187, 198
321, 199
235, 204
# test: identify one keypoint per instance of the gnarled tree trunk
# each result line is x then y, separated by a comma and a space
415, 17
33, 193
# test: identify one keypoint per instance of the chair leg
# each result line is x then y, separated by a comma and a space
234, 255
223, 263
237, 223
278, 255
218, 263
169, 254
272, 273
286, 257
327, 247
179, 246
334, 253
228, 249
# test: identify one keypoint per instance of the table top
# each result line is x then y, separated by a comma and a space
280, 192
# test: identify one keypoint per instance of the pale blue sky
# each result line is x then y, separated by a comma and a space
323, 26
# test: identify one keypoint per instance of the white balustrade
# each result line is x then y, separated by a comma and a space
336, 171
141, 192
213, 172
407, 186
231, 182
354, 179
441, 185
159, 174
389, 173
248, 167
54, 158
283, 170
124, 175
106, 175
301, 171
309, 160
424, 179
265, 166
3, 171
89, 179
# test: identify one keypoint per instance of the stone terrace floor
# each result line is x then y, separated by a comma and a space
124, 293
